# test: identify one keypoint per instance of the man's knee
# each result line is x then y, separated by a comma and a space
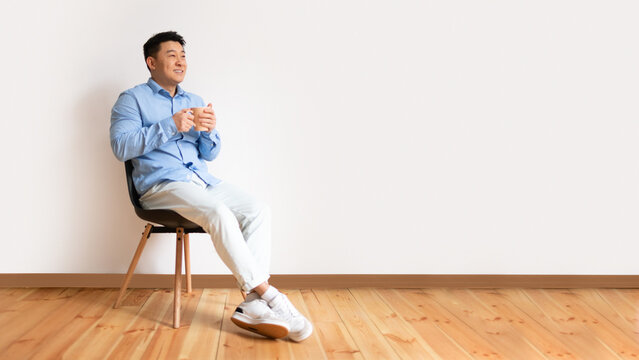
261, 209
255, 211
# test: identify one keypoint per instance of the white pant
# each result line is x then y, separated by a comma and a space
240, 226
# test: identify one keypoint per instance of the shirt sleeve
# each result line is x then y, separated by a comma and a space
129, 139
209, 144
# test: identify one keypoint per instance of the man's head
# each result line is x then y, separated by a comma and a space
165, 57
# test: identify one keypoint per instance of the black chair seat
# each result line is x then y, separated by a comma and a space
169, 219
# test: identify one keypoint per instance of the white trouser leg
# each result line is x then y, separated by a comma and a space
254, 218
239, 226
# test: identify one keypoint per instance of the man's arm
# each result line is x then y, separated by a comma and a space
129, 139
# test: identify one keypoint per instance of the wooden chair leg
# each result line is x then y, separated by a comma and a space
177, 291
134, 263
187, 263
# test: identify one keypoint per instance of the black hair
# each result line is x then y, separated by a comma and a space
152, 46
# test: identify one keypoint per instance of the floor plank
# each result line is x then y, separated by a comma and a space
453, 327
167, 341
618, 309
136, 337
329, 328
37, 305
497, 331
9, 296
398, 334
203, 338
55, 346
534, 331
356, 323
631, 297
444, 346
137, 297
98, 341
624, 345
370, 341
52, 323
548, 313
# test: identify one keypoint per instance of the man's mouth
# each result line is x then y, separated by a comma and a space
178, 71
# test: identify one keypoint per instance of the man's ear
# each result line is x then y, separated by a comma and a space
150, 62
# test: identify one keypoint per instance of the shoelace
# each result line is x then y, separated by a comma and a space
285, 304
266, 310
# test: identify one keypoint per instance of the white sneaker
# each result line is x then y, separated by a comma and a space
299, 327
254, 314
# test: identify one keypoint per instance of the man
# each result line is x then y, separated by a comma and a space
152, 124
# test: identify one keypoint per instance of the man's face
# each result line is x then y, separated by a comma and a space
169, 64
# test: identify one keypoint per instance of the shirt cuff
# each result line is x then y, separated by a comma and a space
168, 127
213, 135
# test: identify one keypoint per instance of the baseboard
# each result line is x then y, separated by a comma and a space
331, 281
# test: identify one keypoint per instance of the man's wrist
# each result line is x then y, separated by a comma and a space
209, 133
168, 126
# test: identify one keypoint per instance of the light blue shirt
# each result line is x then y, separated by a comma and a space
142, 129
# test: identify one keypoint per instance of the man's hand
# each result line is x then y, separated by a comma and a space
183, 120
207, 118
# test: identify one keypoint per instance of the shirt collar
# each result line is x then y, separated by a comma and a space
157, 88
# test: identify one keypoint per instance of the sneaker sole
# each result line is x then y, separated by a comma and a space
273, 329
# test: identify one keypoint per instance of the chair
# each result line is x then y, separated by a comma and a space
170, 222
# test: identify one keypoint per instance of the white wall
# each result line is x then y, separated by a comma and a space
389, 137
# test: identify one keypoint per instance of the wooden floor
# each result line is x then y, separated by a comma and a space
358, 323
